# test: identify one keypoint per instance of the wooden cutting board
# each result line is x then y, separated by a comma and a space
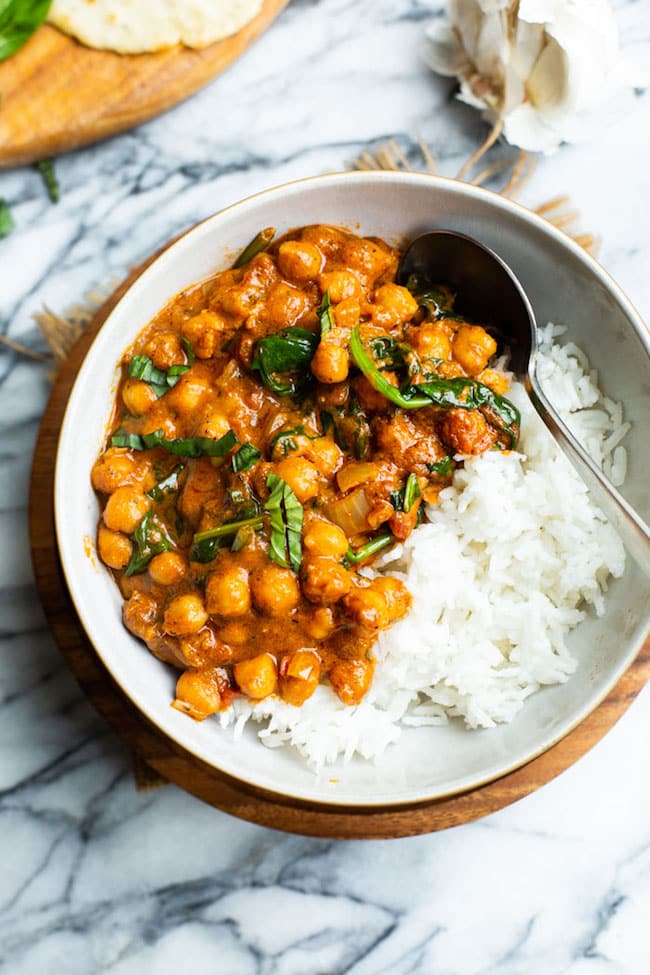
59, 95
174, 764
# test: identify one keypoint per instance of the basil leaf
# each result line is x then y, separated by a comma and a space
259, 243
19, 19
149, 539
375, 545
245, 458
46, 168
168, 484
325, 315
283, 359
286, 515
174, 373
6, 220
190, 447
443, 468
141, 367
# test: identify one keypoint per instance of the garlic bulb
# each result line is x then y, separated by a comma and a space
550, 70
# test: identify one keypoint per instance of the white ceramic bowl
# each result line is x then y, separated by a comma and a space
565, 286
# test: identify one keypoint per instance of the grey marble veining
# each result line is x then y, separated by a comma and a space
96, 878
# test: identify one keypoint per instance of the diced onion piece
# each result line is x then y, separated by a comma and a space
350, 513
352, 475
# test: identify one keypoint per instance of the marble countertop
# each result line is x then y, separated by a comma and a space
95, 877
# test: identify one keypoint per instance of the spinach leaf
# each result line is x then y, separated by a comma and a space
283, 360
434, 301
245, 458
462, 393
375, 545
443, 468
46, 168
149, 539
285, 513
19, 19
190, 447
6, 220
167, 485
259, 243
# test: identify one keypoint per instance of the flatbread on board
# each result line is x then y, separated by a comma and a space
138, 26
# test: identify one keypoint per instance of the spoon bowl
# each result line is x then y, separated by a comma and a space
488, 291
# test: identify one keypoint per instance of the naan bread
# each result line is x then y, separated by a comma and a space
137, 26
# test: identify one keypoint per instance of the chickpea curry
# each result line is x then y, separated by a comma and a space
276, 427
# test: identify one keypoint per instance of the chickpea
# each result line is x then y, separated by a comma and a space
227, 592
187, 394
198, 693
331, 362
325, 580
368, 608
299, 676
185, 614
236, 633
160, 419
393, 305
320, 623
301, 476
472, 347
138, 397
168, 568
325, 455
213, 424
324, 538
275, 590
165, 350
285, 305
347, 313
370, 259
125, 508
351, 679
299, 260
257, 678
398, 598
340, 284
203, 332
115, 468
369, 397
466, 431
329, 240
203, 649
114, 548
495, 380
431, 341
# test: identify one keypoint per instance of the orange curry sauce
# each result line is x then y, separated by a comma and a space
273, 601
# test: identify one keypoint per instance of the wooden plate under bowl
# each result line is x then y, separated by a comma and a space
215, 787
58, 94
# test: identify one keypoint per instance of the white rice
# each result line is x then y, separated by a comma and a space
510, 561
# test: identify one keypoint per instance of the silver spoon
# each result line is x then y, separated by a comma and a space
488, 292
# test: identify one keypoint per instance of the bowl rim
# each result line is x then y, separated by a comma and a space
168, 255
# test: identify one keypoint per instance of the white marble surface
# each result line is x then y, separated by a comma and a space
96, 878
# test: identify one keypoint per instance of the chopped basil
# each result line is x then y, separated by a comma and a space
141, 367
259, 243
325, 315
189, 351
245, 458
285, 513
19, 19
443, 468
190, 447
283, 360
206, 550
6, 220
206, 543
167, 485
149, 539
46, 168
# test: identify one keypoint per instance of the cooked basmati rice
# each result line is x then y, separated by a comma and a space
511, 557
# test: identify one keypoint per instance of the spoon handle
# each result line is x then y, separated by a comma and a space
633, 531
